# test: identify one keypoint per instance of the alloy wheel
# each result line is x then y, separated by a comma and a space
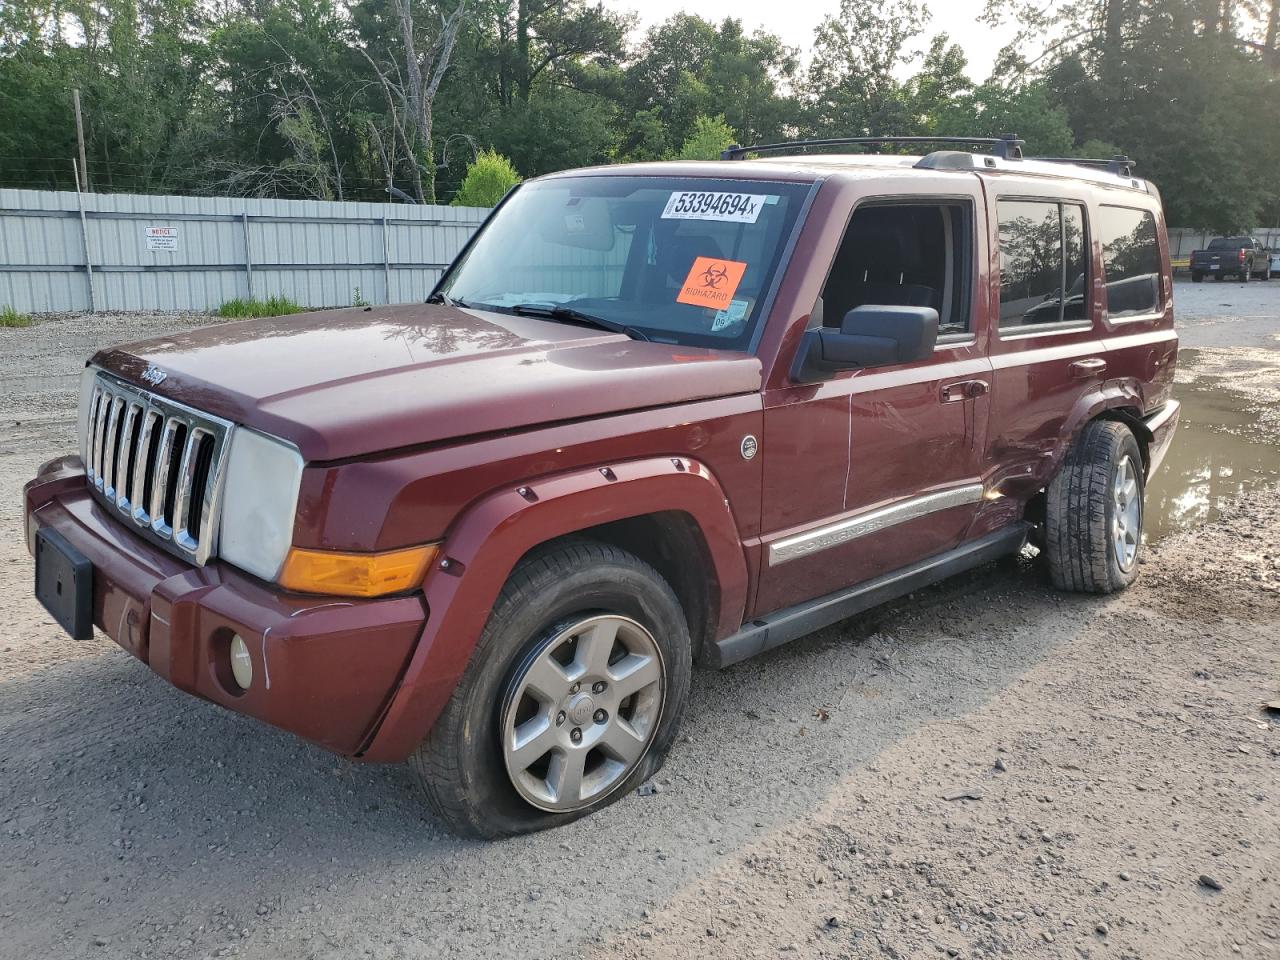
581, 712
1126, 514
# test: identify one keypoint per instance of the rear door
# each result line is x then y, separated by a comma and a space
874, 469
1046, 348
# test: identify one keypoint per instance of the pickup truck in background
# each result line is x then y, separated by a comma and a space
1242, 257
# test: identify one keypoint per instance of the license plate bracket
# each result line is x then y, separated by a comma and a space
64, 583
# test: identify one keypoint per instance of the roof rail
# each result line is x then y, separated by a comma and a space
1007, 147
1121, 166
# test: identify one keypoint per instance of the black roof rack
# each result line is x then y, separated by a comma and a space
1119, 165
1007, 147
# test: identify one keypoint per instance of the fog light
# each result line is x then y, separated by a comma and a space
241, 662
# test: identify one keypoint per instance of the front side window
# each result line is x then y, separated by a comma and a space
1131, 259
1043, 263
915, 254
676, 259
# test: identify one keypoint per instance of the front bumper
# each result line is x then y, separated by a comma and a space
324, 669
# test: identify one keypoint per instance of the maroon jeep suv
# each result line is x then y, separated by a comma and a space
652, 414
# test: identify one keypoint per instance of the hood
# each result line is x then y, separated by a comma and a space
347, 383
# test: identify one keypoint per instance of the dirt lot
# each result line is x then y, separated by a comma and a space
1103, 755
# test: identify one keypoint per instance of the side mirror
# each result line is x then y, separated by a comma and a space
869, 336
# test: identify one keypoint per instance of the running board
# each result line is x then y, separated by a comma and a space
783, 626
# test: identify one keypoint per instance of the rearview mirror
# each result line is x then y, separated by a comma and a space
869, 336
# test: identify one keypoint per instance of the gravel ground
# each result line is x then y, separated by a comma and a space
1101, 756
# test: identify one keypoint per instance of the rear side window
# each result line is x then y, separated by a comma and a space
1131, 259
1043, 263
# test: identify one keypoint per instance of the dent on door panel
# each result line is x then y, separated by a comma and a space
1033, 398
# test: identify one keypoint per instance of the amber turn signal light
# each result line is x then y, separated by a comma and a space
356, 574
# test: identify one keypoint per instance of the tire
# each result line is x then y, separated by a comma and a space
462, 765
1197, 278
1083, 507
1246, 275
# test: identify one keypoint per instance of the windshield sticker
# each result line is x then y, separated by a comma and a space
731, 316
730, 207
711, 282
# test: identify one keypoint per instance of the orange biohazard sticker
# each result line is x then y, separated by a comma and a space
711, 282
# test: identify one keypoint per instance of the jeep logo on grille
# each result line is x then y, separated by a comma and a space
154, 375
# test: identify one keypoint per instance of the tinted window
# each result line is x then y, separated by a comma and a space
904, 254
1076, 306
1225, 243
1131, 259
1043, 263
683, 260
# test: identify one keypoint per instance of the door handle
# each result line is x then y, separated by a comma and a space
964, 390
1087, 368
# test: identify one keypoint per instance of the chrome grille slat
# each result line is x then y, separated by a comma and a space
182, 497
114, 413
141, 466
160, 485
122, 424
125, 457
100, 433
91, 424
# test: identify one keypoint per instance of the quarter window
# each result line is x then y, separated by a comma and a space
1131, 259
1044, 275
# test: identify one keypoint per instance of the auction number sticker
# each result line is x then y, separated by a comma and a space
731, 207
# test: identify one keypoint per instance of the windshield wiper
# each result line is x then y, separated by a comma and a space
447, 300
548, 311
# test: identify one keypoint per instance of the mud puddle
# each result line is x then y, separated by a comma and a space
1218, 454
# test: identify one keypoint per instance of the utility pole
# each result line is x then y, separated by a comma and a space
84, 167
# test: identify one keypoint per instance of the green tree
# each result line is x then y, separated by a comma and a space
488, 179
558, 128
688, 67
1175, 85
710, 136
852, 88
993, 109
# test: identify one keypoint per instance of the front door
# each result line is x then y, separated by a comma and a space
874, 469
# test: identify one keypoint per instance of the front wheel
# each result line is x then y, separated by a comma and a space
573, 696
1094, 511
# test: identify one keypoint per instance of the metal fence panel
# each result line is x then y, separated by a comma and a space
53, 257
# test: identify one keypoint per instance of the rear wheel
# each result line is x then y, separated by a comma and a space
1094, 511
572, 698
1197, 277
1246, 274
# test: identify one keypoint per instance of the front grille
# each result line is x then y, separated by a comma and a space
158, 464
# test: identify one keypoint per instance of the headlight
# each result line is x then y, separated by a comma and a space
87, 379
259, 499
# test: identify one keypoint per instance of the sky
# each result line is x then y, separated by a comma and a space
794, 22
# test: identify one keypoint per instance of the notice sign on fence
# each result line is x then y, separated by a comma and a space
162, 238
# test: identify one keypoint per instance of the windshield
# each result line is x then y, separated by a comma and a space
673, 259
